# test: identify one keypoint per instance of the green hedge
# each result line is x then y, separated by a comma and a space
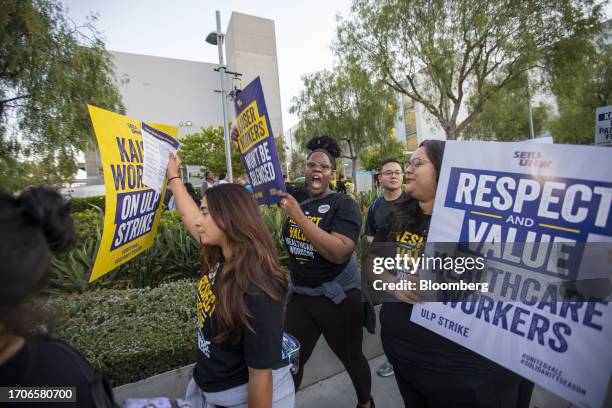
130, 334
88, 223
79, 204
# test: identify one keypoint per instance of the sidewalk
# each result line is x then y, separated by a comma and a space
337, 392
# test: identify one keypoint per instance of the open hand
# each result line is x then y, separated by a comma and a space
174, 166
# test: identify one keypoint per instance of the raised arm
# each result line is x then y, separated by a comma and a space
188, 209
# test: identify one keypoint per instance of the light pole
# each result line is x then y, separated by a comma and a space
216, 38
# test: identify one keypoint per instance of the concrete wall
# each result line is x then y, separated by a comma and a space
250, 47
164, 90
169, 91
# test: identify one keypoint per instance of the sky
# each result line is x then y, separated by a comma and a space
176, 29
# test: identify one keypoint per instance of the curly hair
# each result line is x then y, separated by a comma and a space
32, 227
325, 144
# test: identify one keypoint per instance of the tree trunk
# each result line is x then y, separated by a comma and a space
451, 133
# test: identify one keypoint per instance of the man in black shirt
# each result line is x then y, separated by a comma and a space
390, 178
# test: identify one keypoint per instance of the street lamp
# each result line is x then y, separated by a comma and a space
216, 38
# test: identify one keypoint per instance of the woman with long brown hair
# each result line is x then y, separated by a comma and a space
239, 301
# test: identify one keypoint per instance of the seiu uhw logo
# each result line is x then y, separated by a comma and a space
531, 159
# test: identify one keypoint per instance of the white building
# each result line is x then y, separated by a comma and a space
183, 93
415, 124
250, 46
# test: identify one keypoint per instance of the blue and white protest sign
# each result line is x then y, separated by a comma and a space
256, 144
541, 217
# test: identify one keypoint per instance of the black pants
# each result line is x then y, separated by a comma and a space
307, 317
525, 390
433, 372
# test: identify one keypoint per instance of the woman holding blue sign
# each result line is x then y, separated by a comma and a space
430, 370
239, 300
325, 296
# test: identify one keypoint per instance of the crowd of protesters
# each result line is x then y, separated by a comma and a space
247, 304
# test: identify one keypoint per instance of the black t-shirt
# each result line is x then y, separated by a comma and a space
333, 213
378, 214
45, 362
223, 366
406, 339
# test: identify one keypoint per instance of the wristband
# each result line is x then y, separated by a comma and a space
172, 178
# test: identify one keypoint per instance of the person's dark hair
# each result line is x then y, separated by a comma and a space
406, 211
32, 227
190, 189
389, 161
254, 261
435, 153
327, 145
341, 177
208, 173
222, 176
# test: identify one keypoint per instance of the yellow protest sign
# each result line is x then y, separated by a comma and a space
132, 209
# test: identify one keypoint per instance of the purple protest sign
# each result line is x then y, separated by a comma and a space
256, 144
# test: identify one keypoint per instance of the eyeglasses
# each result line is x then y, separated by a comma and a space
416, 162
312, 165
390, 173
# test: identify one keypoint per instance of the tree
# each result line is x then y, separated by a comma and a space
438, 52
281, 151
374, 156
505, 117
49, 70
206, 148
579, 73
298, 165
346, 104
